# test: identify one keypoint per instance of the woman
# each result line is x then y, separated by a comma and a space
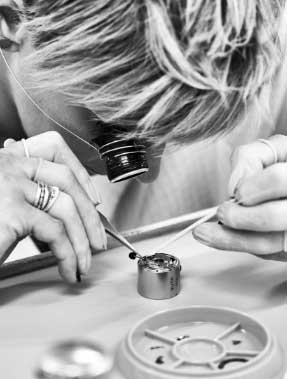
168, 71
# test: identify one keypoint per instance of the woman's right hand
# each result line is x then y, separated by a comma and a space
72, 227
255, 221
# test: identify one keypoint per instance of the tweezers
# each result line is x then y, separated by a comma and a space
112, 231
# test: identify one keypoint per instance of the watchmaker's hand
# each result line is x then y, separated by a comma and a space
72, 226
257, 221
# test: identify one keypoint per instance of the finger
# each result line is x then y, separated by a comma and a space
52, 147
245, 162
248, 159
269, 184
62, 177
266, 217
23, 220
265, 245
51, 231
64, 209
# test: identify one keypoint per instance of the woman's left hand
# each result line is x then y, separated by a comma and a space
256, 222
47, 158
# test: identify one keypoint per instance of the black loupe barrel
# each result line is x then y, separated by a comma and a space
124, 159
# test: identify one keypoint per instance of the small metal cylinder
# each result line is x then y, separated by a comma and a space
159, 276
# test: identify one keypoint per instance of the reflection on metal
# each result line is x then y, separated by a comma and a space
75, 359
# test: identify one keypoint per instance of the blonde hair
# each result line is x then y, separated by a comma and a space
166, 70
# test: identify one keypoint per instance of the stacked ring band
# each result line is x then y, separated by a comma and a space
46, 196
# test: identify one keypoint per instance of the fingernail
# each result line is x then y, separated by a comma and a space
238, 201
82, 266
94, 193
88, 263
201, 237
237, 186
220, 216
104, 237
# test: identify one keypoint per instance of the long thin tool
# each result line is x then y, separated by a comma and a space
112, 231
187, 230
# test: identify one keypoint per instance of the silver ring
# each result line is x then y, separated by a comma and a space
45, 196
53, 196
271, 147
285, 241
42, 196
26, 150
